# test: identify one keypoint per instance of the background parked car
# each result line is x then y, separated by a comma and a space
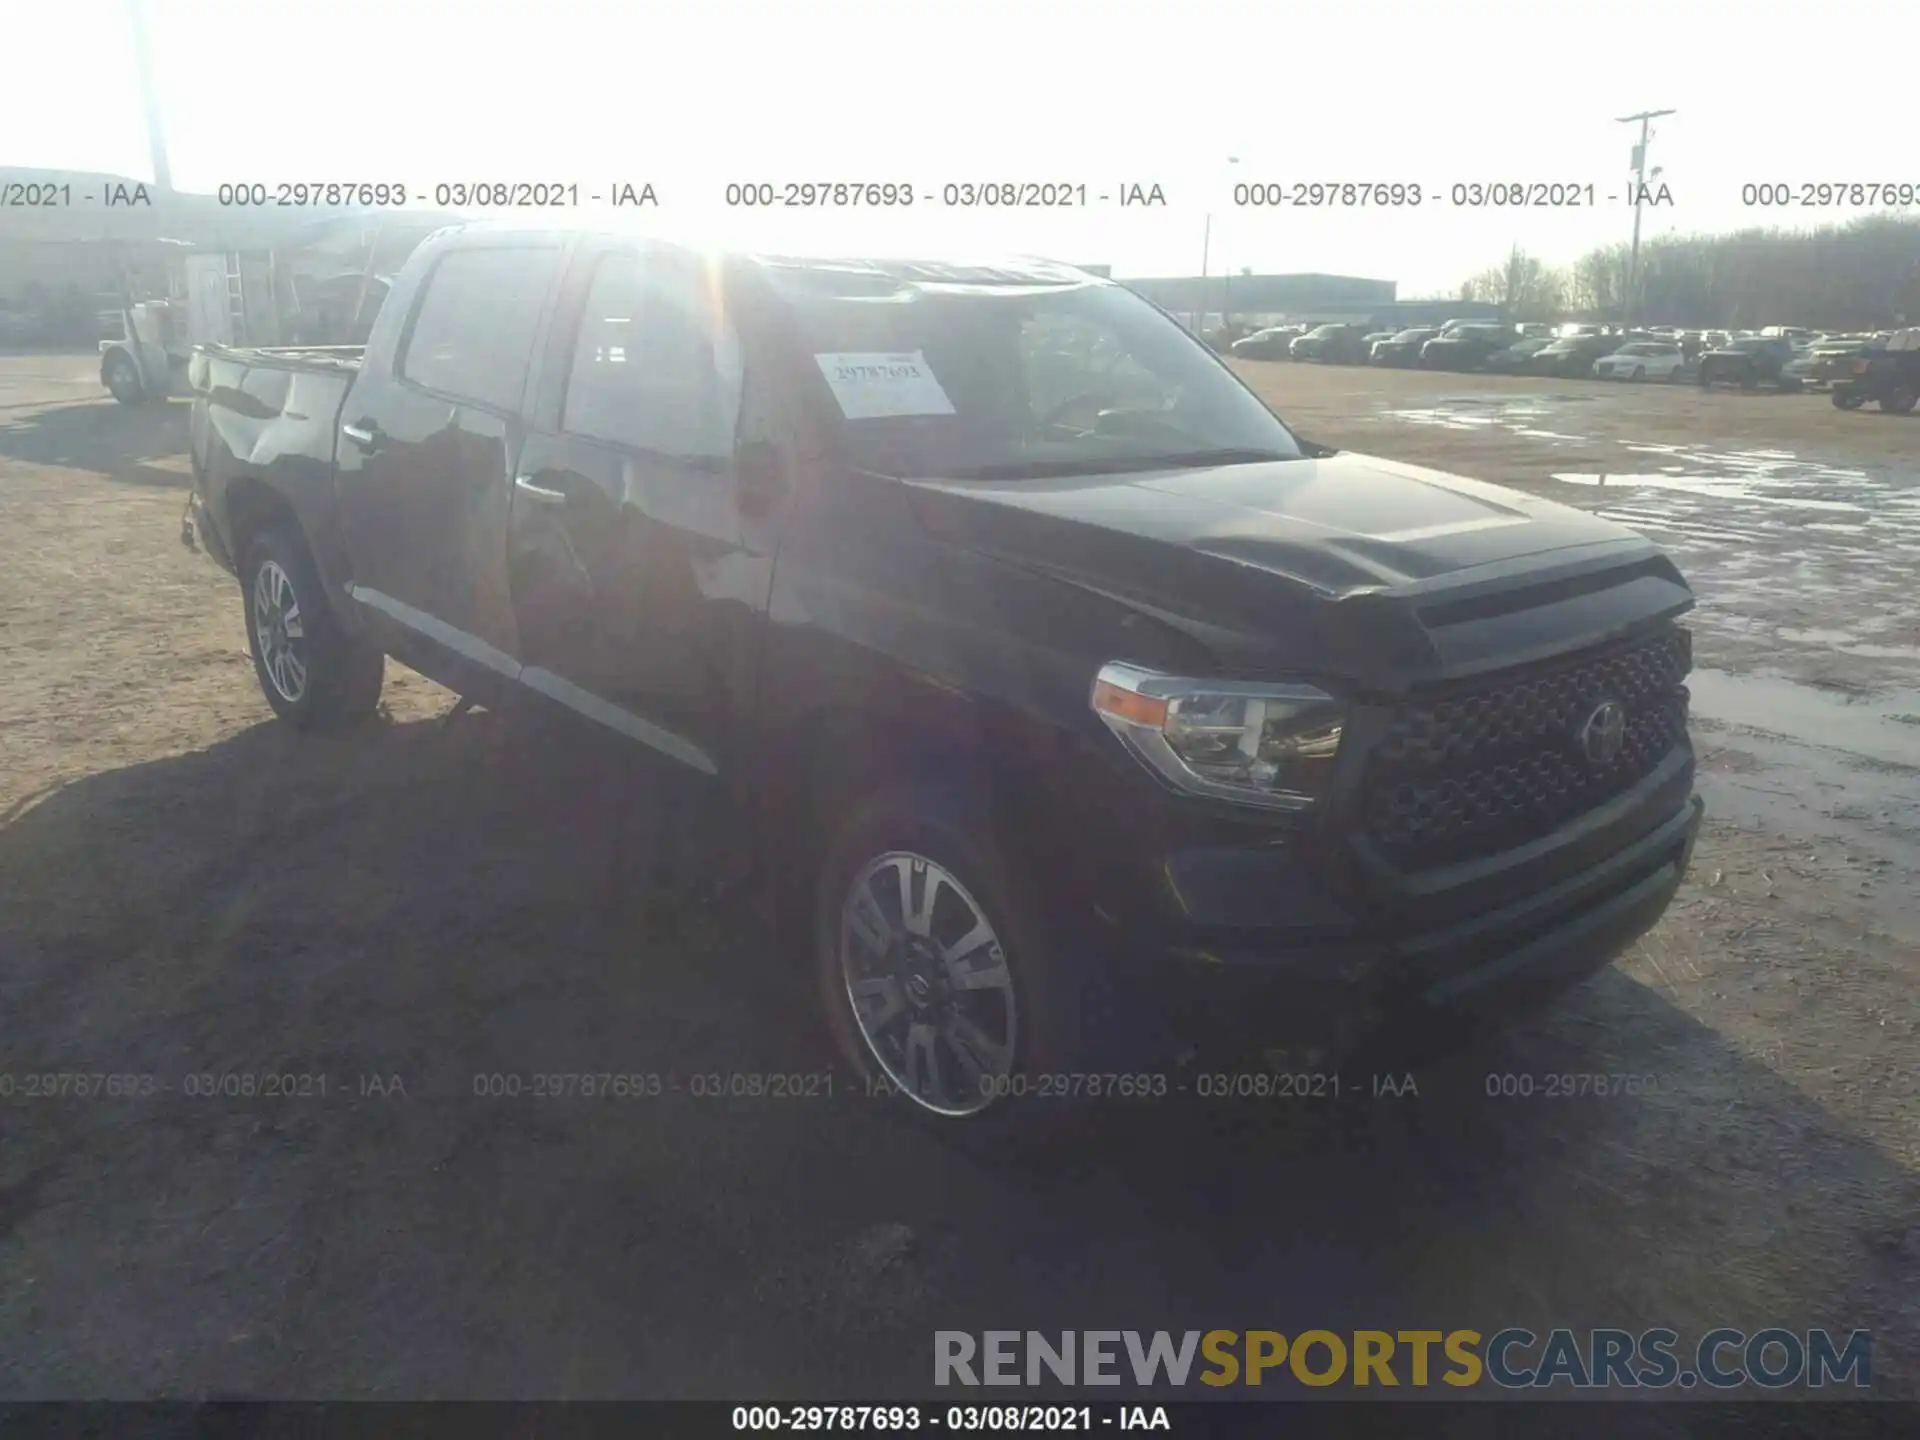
1641, 360
1403, 348
1464, 347
1573, 356
1268, 344
1749, 362
1830, 360
1332, 345
1222, 338
1517, 358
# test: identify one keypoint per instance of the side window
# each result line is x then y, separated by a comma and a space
655, 364
473, 336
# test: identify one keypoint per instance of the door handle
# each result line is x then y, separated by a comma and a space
533, 490
366, 436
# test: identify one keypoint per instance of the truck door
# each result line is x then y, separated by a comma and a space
638, 578
430, 433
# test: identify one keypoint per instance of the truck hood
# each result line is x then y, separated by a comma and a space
1286, 554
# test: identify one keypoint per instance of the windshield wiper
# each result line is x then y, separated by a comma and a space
1117, 464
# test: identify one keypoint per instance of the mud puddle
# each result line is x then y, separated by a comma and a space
1818, 764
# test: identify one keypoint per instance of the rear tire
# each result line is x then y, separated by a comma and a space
1019, 992
314, 674
122, 379
1900, 400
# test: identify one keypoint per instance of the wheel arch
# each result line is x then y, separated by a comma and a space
252, 507
839, 754
251, 504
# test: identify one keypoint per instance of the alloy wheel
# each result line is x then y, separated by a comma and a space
928, 984
279, 631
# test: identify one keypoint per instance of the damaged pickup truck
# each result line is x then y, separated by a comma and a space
1090, 716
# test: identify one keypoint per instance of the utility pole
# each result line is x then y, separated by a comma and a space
1206, 255
149, 98
1639, 188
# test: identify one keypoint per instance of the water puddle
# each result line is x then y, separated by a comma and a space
1717, 487
1879, 727
1490, 412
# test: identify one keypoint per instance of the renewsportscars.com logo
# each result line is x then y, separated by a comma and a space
1512, 1359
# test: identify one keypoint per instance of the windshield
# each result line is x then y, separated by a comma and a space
935, 379
1413, 334
1328, 329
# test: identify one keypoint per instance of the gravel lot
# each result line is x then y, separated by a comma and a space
186, 889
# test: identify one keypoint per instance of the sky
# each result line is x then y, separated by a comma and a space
1193, 97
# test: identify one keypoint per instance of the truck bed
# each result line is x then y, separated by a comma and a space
291, 357
266, 413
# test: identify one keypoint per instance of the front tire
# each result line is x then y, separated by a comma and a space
1900, 400
939, 982
1639, 373
314, 674
1847, 398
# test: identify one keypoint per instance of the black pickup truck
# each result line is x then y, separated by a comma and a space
1888, 373
1090, 715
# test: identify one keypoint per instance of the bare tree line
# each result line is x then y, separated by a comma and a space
1857, 276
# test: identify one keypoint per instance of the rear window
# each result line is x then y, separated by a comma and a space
473, 333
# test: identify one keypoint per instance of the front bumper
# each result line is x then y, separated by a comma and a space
1458, 950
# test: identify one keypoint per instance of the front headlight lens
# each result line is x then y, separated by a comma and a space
1256, 743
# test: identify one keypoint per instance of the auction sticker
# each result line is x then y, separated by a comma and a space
871, 386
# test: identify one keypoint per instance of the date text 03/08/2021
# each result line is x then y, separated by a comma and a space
961, 1419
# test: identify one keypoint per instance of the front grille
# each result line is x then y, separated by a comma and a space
1500, 761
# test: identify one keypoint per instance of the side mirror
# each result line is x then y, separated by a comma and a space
760, 472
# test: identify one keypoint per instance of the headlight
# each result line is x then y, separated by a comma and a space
1256, 743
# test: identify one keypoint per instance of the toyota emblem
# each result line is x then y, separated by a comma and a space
1604, 732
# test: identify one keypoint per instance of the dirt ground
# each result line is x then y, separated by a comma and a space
186, 890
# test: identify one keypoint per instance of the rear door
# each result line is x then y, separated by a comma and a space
430, 434
638, 578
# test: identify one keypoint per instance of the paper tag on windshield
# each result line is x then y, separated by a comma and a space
872, 386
